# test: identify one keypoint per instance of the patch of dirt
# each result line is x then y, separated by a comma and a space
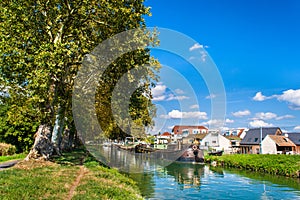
30, 164
81, 173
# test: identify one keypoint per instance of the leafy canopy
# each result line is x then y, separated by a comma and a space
42, 44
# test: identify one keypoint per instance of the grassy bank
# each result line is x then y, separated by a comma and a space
284, 165
12, 157
73, 176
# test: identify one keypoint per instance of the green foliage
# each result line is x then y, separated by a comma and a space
7, 149
285, 165
18, 126
42, 44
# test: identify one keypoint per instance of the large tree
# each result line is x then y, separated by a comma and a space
42, 45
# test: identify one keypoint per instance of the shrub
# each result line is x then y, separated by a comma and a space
7, 149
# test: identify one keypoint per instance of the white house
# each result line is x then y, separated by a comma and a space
164, 138
275, 144
216, 141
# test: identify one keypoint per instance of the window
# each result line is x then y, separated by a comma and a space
256, 139
214, 142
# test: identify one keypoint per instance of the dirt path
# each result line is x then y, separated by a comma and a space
76, 182
8, 164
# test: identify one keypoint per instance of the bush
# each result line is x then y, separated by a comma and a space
7, 149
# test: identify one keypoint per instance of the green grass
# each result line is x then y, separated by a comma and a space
285, 165
104, 183
53, 180
12, 157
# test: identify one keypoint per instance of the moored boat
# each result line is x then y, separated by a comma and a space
192, 154
215, 153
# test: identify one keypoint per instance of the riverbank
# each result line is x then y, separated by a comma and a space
12, 157
284, 165
73, 176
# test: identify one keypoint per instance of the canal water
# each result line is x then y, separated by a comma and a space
194, 181
159, 180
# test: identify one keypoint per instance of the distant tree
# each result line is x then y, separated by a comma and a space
42, 44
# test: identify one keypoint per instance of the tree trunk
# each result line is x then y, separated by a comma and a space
57, 131
42, 148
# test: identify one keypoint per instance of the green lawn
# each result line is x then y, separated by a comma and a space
12, 157
56, 180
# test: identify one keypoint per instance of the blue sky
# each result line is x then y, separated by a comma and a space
255, 46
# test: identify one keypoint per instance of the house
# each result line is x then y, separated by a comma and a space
235, 143
216, 141
295, 137
164, 138
187, 130
277, 144
240, 132
193, 138
251, 142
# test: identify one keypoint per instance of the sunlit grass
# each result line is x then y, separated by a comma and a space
12, 157
285, 165
53, 180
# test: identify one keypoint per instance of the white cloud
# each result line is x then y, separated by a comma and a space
285, 117
260, 97
195, 106
203, 56
260, 123
214, 122
202, 51
291, 96
229, 121
265, 116
196, 46
211, 96
179, 91
174, 97
297, 128
241, 113
159, 98
270, 115
158, 92
176, 114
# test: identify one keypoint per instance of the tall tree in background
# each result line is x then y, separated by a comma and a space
42, 44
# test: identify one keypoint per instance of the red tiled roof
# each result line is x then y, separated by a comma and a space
188, 127
166, 134
240, 133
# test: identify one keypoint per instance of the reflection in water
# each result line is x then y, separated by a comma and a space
129, 161
195, 181
161, 179
268, 179
186, 174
